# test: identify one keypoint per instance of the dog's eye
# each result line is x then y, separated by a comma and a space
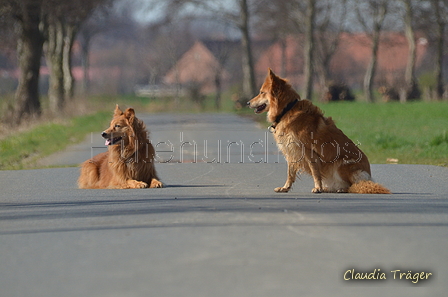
117, 126
261, 92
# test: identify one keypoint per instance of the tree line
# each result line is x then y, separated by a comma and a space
49, 28
321, 22
44, 28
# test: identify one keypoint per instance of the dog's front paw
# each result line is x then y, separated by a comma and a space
156, 184
316, 190
141, 185
135, 184
281, 190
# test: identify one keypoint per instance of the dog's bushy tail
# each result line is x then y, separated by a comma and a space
368, 187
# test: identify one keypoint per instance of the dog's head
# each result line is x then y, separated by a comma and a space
271, 93
120, 128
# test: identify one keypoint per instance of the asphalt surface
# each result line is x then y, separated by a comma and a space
218, 228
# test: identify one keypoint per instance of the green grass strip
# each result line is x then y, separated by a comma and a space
412, 133
20, 151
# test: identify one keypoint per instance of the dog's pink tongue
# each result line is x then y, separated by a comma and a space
107, 142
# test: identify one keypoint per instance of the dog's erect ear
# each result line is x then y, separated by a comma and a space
274, 77
271, 74
117, 111
130, 115
277, 83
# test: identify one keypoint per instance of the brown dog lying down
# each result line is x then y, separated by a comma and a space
312, 143
129, 161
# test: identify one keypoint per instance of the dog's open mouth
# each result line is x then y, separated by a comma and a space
113, 141
260, 108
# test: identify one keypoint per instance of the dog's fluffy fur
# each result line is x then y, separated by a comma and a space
129, 161
312, 143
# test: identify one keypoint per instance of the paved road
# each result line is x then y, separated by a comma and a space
218, 229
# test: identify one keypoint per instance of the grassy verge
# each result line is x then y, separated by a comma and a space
413, 133
21, 150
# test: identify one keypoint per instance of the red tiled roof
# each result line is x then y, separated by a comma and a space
197, 65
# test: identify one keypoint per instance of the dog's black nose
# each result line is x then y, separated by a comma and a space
248, 103
104, 134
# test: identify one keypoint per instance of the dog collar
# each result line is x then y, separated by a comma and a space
288, 107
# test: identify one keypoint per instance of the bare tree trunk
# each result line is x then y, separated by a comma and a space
309, 48
53, 53
371, 68
324, 73
409, 75
85, 62
439, 64
440, 31
327, 43
247, 59
64, 20
218, 90
322, 65
29, 50
324, 60
70, 33
378, 16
